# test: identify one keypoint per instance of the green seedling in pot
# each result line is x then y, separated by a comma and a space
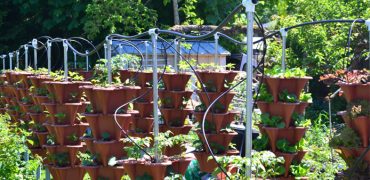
61, 117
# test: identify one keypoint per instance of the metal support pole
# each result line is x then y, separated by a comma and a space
3, 57
25, 56
367, 22
250, 7
11, 61
284, 34
217, 37
176, 56
146, 55
109, 56
49, 56
17, 53
38, 172
87, 60
65, 46
47, 174
154, 36
75, 59
34, 44
105, 51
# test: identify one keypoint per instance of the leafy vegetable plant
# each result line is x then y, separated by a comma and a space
264, 95
273, 121
305, 97
277, 71
285, 96
261, 143
284, 146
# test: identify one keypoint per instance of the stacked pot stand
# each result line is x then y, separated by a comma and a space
277, 122
106, 141
3, 94
174, 112
218, 118
64, 128
357, 118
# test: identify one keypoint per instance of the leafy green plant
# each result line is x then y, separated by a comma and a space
346, 137
284, 146
200, 108
88, 159
36, 109
300, 120
277, 71
61, 159
285, 96
299, 170
267, 165
264, 95
273, 121
73, 96
184, 66
72, 137
358, 108
39, 127
305, 97
261, 143
50, 139
61, 117
134, 151
106, 136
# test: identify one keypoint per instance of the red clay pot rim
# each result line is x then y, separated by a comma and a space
352, 84
110, 88
265, 127
175, 73
270, 77
223, 133
67, 125
203, 92
279, 102
172, 109
173, 92
68, 146
213, 72
37, 132
101, 114
68, 167
105, 142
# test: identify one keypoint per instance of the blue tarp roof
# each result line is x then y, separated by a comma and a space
197, 47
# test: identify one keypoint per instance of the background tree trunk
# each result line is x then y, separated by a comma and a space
176, 12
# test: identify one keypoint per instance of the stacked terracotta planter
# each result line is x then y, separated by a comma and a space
219, 117
174, 112
106, 137
361, 125
284, 110
62, 123
4, 94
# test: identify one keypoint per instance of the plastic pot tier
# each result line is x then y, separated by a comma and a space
284, 110
292, 134
142, 79
108, 149
145, 109
140, 134
209, 165
72, 152
293, 85
215, 81
125, 75
107, 99
360, 124
68, 109
138, 168
221, 139
42, 153
181, 165
19, 93
176, 130
289, 158
14, 77
38, 118
176, 149
101, 172
175, 81
101, 124
87, 75
355, 91
222, 105
68, 92
148, 97
143, 125
175, 117
37, 80
7, 90
220, 121
301, 107
67, 173
64, 133
352, 153
42, 137
89, 142
41, 100
174, 99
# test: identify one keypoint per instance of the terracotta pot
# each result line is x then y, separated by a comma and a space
176, 149
50, 87
143, 78
181, 165
7, 90
98, 172
71, 150
89, 141
145, 109
26, 107
348, 153
88, 90
176, 130
42, 137
288, 160
300, 156
87, 75
125, 75
222, 139
301, 107
24, 78
40, 100
175, 117
83, 107
52, 109
174, 99
68, 92
69, 109
38, 80
107, 100
14, 77
140, 134
224, 101
63, 132
293, 85
108, 149
284, 110
220, 121
51, 170
345, 118
148, 97
362, 126
144, 124
156, 170
216, 80
100, 124
355, 91
360, 151
175, 81
205, 164
292, 134
68, 173
42, 153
